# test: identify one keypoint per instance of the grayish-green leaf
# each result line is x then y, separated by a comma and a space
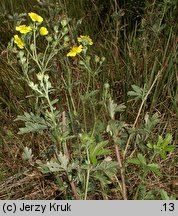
27, 154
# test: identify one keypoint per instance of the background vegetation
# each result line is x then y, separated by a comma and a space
117, 106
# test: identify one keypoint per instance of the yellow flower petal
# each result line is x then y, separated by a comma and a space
43, 31
35, 17
86, 40
18, 41
74, 50
23, 29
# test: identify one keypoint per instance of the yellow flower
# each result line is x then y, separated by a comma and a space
86, 40
18, 41
43, 31
23, 29
35, 17
74, 50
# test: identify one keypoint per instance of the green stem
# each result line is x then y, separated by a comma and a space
89, 79
87, 182
53, 53
141, 183
44, 56
84, 116
54, 121
152, 158
95, 118
34, 59
88, 177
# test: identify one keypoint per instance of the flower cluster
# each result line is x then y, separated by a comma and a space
24, 29
84, 40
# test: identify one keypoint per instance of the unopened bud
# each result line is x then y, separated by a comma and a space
106, 85
97, 59
66, 38
64, 23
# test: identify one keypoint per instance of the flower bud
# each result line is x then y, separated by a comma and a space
103, 59
88, 58
81, 62
56, 29
49, 38
40, 76
64, 22
106, 85
32, 47
65, 30
66, 38
97, 58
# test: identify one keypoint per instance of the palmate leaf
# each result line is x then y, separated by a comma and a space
135, 161
167, 140
151, 121
86, 140
139, 160
114, 127
108, 167
164, 195
113, 108
43, 168
169, 148
163, 154
102, 178
88, 95
137, 92
33, 123
162, 146
63, 159
55, 165
154, 168
32, 127
97, 150
27, 154
105, 171
142, 159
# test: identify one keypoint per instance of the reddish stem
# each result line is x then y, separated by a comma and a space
124, 192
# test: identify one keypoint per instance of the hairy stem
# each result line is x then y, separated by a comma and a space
124, 191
